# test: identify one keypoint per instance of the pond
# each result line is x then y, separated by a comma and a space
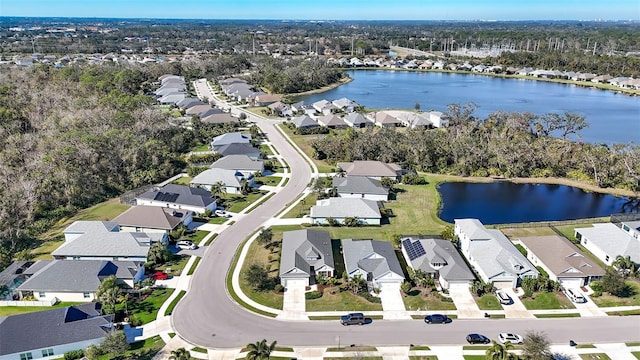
503, 202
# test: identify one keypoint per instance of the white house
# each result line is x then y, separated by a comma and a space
365, 211
360, 187
607, 241
306, 254
151, 219
178, 197
374, 260
231, 179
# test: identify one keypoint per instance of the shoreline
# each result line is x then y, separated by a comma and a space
331, 86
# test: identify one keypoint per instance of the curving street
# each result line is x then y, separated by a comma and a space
208, 317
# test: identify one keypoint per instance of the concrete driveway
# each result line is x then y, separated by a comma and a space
294, 306
392, 303
589, 308
197, 252
465, 304
517, 308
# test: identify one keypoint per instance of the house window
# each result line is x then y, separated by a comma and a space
47, 352
86, 295
26, 356
43, 294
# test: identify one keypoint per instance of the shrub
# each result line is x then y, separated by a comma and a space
74, 354
414, 179
279, 288
313, 295
370, 298
405, 287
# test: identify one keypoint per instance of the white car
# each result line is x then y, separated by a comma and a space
575, 295
513, 338
222, 213
186, 245
503, 297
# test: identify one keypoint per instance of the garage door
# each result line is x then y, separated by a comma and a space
503, 284
571, 283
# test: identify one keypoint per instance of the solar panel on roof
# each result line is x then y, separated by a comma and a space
413, 249
168, 197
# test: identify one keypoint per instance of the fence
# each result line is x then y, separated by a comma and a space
130, 196
28, 303
552, 224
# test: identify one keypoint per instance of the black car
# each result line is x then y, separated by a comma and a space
477, 339
353, 319
436, 319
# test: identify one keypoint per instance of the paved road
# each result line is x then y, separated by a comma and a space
208, 317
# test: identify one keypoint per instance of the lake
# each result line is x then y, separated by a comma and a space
612, 117
504, 202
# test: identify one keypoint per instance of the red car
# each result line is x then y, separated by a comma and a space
159, 275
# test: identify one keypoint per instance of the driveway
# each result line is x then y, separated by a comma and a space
466, 305
589, 308
392, 303
517, 308
293, 307
197, 252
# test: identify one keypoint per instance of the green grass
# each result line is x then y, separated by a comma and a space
419, 347
16, 310
217, 220
203, 147
147, 309
473, 357
200, 350
341, 301
595, 356
197, 236
208, 242
175, 302
550, 316
268, 180
141, 350
303, 141
636, 354
423, 357
352, 348
193, 267
623, 313
633, 343
488, 302
476, 347
176, 265
185, 180
585, 346
327, 317
608, 300
262, 201
545, 301
265, 150
303, 207
416, 300
257, 254
237, 203
43, 252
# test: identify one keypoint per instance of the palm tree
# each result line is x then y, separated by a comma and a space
260, 350
218, 189
180, 354
624, 264
499, 351
245, 188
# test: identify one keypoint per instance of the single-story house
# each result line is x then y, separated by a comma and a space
232, 180
357, 120
437, 120
607, 241
345, 104
178, 197
230, 138
384, 119
301, 107
374, 260
561, 260
365, 211
171, 99
632, 227
323, 107
372, 169
332, 121
218, 118
439, 258
360, 187
242, 163
198, 109
495, 259
265, 99
32, 335
189, 102
151, 219
239, 149
209, 112
304, 121
78, 281
306, 254
279, 108
170, 89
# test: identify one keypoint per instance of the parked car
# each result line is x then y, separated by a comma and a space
503, 297
436, 319
186, 245
477, 339
159, 275
513, 338
353, 319
575, 295
222, 213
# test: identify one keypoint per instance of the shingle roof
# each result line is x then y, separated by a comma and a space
331, 120
439, 251
44, 329
359, 185
189, 102
78, 275
302, 249
370, 168
237, 149
81, 227
229, 138
238, 162
346, 207
229, 178
151, 217
371, 256
219, 118
180, 194
612, 240
197, 109
561, 257
355, 119
304, 121
384, 118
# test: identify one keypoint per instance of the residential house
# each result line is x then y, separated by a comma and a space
171, 99
242, 163
602, 79
279, 108
439, 258
300, 107
239, 149
77, 281
198, 109
360, 187
607, 241
632, 227
345, 104
150, 219
365, 211
437, 120
178, 197
357, 120
218, 118
304, 122
168, 90
265, 99
212, 111
324, 107
332, 121
414, 120
229, 138
50, 334
495, 259
372, 169
305, 254
561, 260
374, 260
186, 103
384, 119
232, 180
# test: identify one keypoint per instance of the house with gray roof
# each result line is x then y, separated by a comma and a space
198, 109
607, 241
305, 254
495, 259
178, 197
239, 149
279, 108
357, 120
242, 163
439, 258
632, 227
171, 99
219, 118
332, 121
100, 244
374, 260
189, 102
170, 89
323, 107
77, 281
360, 187
231, 179
209, 112
562, 260
372, 169
151, 219
365, 211
51, 333
230, 138
347, 105
304, 121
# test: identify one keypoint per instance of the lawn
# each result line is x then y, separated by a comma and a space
141, 350
419, 300
268, 180
303, 141
552, 316
185, 180
424, 357
175, 266
303, 207
547, 300
595, 356
636, 354
175, 302
514, 233
257, 254
488, 302
203, 147
237, 203
474, 357
16, 310
607, 300
341, 301
147, 310
265, 149
217, 220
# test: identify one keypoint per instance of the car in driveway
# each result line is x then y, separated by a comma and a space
353, 319
503, 297
477, 339
186, 245
575, 295
222, 213
437, 319
159, 275
510, 337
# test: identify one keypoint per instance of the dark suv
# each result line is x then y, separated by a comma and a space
352, 319
436, 319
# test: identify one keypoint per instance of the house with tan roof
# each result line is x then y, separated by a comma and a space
152, 219
372, 169
562, 260
384, 119
332, 121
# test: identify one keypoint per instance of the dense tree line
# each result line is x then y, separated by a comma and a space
294, 75
72, 137
503, 144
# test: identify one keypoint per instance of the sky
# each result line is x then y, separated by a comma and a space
330, 9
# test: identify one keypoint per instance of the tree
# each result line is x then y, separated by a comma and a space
500, 352
265, 237
258, 277
448, 233
624, 265
405, 287
356, 284
388, 183
613, 283
351, 221
108, 293
92, 352
245, 187
158, 253
115, 343
218, 189
536, 346
260, 350
180, 354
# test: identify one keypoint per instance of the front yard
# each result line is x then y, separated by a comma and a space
608, 300
487, 302
236, 203
426, 300
547, 301
145, 308
257, 254
335, 300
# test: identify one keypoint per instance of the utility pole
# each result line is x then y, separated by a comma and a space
594, 47
351, 46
